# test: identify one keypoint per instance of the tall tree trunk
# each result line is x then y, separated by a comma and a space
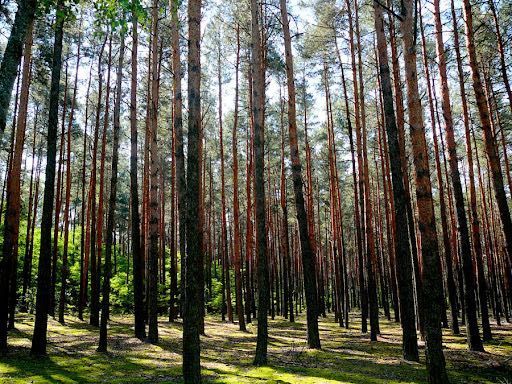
473, 337
258, 115
336, 251
137, 253
489, 139
452, 294
83, 244
224, 236
65, 268
402, 250
107, 270
11, 59
58, 200
181, 182
284, 238
400, 121
308, 256
44, 268
27, 260
371, 261
236, 209
9, 262
153, 193
249, 244
501, 50
173, 225
431, 292
357, 217
360, 168
194, 259
101, 193
94, 305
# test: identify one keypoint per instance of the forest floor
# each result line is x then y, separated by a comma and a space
347, 356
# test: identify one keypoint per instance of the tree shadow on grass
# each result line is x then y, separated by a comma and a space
347, 371
20, 365
227, 353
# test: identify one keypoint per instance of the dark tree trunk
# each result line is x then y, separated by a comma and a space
32, 214
258, 116
402, 250
474, 341
489, 138
83, 244
181, 182
9, 262
452, 294
236, 209
94, 305
431, 292
109, 240
58, 200
12, 55
65, 268
154, 176
194, 260
308, 256
39, 339
137, 254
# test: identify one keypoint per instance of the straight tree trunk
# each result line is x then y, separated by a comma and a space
83, 248
11, 144
310, 204
11, 59
284, 238
107, 270
402, 250
357, 217
400, 121
236, 209
27, 260
194, 260
249, 224
137, 253
431, 293
473, 337
501, 50
173, 225
101, 193
65, 268
371, 261
181, 182
154, 176
8, 265
360, 168
58, 200
224, 238
489, 139
308, 256
39, 338
258, 115
452, 294
94, 305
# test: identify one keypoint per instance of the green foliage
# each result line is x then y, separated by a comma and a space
215, 302
113, 13
121, 295
122, 288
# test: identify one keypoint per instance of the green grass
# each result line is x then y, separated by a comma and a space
347, 356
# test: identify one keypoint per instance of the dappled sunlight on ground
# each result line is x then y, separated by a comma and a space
347, 355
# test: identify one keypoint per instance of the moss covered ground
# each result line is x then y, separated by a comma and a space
347, 356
